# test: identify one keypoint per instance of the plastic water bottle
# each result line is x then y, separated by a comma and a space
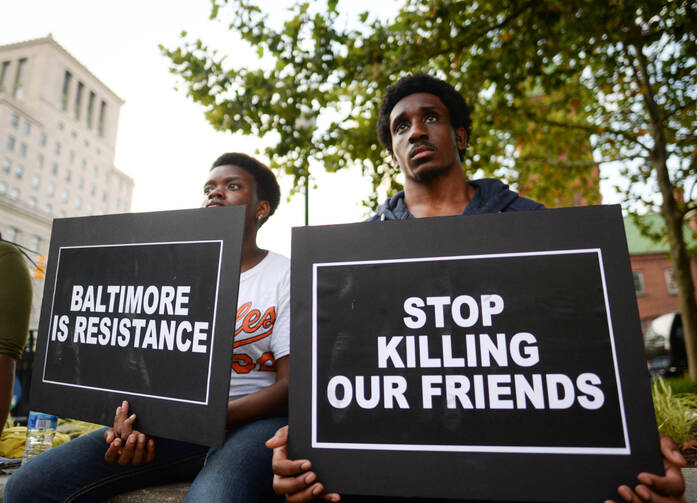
40, 431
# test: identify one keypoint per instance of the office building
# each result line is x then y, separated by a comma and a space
58, 126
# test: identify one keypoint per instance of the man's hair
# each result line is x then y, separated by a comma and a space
267, 186
422, 83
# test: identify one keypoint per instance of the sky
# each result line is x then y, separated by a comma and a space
164, 141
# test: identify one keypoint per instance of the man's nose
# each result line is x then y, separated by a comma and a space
418, 132
217, 192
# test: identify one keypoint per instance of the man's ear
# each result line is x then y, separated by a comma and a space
263, 210
461, 138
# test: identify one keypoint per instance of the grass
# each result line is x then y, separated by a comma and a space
681, 384
676, 413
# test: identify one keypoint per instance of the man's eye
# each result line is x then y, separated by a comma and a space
207, 190
431, 118
400, 127
233, 186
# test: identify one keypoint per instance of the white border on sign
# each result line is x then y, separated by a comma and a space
215, 311
626, 450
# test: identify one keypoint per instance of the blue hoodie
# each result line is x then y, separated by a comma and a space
491, 196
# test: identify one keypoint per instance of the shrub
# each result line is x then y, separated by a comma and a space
676, 413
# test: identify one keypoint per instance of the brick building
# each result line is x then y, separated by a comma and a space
652, 269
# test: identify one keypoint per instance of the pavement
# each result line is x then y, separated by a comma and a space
176, 493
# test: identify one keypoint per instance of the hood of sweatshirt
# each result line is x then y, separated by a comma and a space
491, 196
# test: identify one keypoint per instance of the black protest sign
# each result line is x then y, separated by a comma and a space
137, 307
489, 357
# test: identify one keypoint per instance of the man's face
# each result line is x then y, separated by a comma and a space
424, 143
231, 185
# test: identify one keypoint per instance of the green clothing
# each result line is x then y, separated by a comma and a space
15, 301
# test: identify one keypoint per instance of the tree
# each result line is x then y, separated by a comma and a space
543, 79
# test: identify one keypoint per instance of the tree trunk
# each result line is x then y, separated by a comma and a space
682, 271
672, 215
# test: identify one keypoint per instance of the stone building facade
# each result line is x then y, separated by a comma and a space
58, 125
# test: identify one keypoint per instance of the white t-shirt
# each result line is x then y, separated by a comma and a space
262, 329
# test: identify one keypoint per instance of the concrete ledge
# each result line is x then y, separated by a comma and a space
172, 493
175, 493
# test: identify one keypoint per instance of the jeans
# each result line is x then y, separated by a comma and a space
240, 471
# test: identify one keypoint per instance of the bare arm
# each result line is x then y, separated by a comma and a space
267, 402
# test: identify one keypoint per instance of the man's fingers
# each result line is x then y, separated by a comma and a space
128, 450
280, 438
670, 451
109, 435
673, 484
139, 452
112, 453
628, 495
150, 450
289, 468
293, 485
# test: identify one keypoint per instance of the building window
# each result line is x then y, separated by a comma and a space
89, 209
4, 72
6, 165
43, 139
64, 196
14, 194
14, 121
670, 281
18, 90
11, 234
54, 168
92, 190
90, 110
61, 126
39, 161
35, 181
66, 90
19, 171
71, 156
10, 143
23, 149
32, 202
78, 100
34, 243
3, 188
61, 214
48, 208
27, 127
57, 149
81, 183
67, 176
78, 203
104, 196
102, 118
83, 164
638, 282
51, 188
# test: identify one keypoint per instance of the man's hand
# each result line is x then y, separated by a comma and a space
136, 449
123, 424
126, 445
667, 489
291, 477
